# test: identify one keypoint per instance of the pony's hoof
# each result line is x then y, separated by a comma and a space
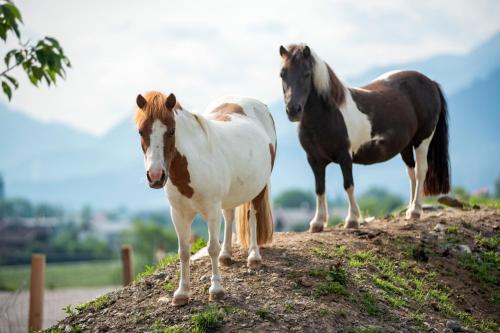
316, 228
180, 300
225, 261
351, 224
254, 263
413, 215
216, 296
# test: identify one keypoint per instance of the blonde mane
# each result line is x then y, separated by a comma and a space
155, 108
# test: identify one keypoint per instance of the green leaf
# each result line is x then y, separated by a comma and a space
6, 89
12, 80
3, 32
9, 55
14, 11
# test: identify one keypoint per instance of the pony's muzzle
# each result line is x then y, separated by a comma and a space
294, 112
156, 178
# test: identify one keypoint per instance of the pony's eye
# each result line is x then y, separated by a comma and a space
172, 131
140, 132
307, 74
283, 73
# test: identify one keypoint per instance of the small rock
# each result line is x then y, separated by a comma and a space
68, 329
305, 281
462, 248
203, 278
440, 227
451, 202
476, 207
163, 299
369, 219
453, 326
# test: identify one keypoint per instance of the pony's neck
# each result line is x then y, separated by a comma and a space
191, 133
327, 83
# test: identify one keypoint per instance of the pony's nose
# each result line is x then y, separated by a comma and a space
155, 175
293, 111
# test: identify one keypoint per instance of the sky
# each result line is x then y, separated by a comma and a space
203, 50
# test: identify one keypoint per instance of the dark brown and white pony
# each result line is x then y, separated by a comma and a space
207, 164
398, 113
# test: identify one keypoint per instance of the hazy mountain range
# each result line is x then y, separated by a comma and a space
58, 164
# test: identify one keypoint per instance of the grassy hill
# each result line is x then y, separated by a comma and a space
388, 276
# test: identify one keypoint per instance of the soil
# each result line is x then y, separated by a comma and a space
285, 294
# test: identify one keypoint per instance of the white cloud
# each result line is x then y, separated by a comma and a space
202, 50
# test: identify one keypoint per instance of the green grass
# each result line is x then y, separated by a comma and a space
168, 286
490, 243
169, 260
371, 329
198, 245
370, 304
338, 252
151, 269
485, 202
207, 321
95, 305
263, 313
329, 288
484, 265
64, 275
159, 327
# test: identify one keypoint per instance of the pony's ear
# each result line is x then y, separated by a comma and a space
170, 103
306, 52
283, 51
141, 101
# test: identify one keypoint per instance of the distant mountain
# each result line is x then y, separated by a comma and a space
54, 163
24, 138
475, 135
454, 72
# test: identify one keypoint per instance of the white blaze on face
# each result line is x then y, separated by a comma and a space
154, 158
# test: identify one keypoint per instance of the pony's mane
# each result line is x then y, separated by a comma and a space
327, 84
155, 108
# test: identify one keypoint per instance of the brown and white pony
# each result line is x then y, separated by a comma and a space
398, 113
209, 164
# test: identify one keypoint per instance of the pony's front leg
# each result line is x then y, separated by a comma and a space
225, 255
321, 217
213, 220
353, 217
182, 223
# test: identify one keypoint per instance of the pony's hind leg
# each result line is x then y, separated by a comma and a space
407, 155
213, 220
254, 258
421, 172
320, 219
353, 217
182, 223
225, 255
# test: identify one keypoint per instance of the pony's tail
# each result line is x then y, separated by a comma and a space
264, 216
437, 180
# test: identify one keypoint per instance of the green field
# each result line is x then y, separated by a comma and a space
66, 275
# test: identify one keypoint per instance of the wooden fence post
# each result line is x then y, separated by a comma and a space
37, 285
127, 264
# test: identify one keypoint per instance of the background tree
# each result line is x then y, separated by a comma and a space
295, 198
43, 60
379, 202
2, 188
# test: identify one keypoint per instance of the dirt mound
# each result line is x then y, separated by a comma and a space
438, 274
